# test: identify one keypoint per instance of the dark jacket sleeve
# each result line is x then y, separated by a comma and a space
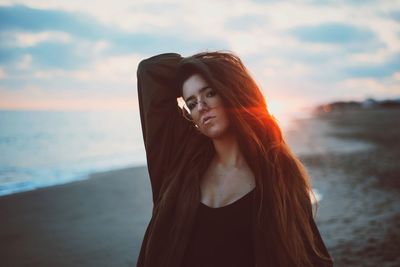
163, 125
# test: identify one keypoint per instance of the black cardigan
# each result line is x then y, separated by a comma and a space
172, 143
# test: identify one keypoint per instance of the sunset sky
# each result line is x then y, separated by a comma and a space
78, 55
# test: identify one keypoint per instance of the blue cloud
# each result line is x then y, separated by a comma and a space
47, 55
83, 27
7, 55
55, 55
385, 69
24, 18
395, 15
333, 33
14, 18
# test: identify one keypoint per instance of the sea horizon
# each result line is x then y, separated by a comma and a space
43, 148
46, 148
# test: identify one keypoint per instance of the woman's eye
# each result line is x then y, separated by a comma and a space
211, 93
190, 106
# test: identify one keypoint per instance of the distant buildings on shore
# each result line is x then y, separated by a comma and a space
368, 103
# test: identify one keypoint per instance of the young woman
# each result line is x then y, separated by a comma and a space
227, 191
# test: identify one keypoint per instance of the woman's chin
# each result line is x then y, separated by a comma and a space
214, 132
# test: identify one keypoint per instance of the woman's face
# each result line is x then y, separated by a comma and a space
205, 107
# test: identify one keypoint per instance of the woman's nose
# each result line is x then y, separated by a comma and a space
202, 105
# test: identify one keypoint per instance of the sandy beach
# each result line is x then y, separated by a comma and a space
352, 158
95, 222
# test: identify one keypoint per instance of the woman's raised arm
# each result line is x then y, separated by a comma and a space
165, 130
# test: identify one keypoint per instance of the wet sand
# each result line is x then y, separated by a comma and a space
352, 158
95, 222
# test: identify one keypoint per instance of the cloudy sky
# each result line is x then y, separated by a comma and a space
74, 55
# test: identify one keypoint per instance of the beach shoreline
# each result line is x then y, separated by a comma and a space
99, 221
355, 166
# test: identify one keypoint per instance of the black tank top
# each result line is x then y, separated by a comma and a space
222, 236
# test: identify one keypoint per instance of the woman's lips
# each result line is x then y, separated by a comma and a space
206, 120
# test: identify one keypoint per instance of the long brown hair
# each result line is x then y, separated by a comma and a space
283, 191
283, 185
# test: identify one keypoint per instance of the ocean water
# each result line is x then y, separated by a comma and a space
44, 148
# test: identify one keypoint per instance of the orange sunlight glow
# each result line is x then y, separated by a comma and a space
282, 110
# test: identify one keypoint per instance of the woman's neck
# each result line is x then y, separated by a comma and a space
227, 152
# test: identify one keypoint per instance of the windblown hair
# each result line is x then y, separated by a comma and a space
285, 206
